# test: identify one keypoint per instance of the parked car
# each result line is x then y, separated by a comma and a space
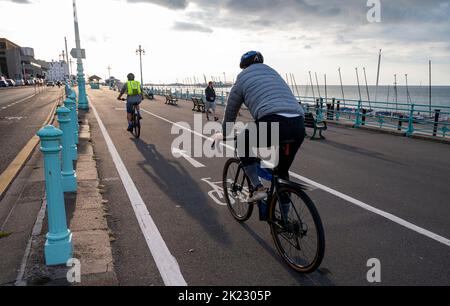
20, 82
10, 82
51, 83
3, 83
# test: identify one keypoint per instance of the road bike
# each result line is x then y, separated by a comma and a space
294, 221
135, 121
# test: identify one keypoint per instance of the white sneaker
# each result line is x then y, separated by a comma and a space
258, 195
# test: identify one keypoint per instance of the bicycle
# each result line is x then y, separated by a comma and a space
135, 121
289, 230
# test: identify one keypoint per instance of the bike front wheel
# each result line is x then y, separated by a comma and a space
297, 229
236, 187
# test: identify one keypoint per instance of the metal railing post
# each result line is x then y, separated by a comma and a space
69, 177
410, 130
72, 105
358, 115
58, 247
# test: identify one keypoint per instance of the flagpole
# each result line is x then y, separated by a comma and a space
82, 99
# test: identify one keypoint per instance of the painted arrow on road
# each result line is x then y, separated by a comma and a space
180, 153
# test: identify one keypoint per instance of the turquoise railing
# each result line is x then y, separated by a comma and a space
409, 119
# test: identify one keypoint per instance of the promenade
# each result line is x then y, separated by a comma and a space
386, 174
379, 196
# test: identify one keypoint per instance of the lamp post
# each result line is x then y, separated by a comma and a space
82, 99
139, 52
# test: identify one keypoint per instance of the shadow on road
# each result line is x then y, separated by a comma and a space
176, 183
359, 150
317, 278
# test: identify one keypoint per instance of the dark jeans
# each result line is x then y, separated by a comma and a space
292, 134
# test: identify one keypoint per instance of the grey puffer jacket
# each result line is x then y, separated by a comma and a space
264, 92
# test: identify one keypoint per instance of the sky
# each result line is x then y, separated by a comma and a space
191, 38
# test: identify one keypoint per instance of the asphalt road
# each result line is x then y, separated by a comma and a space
377, 183
22, 113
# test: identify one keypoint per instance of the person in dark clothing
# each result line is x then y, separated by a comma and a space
270, 102
210, 94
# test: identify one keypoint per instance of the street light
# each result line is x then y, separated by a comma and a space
82, 99
141, 52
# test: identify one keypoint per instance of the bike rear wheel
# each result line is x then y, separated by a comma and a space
136, 123
297, 229
236, 187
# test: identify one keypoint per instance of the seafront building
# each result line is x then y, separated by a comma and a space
18, 62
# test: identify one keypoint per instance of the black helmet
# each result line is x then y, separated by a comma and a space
130, 77
250, 58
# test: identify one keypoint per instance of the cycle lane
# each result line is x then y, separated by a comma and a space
348, 235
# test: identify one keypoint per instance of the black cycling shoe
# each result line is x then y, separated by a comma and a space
130, 129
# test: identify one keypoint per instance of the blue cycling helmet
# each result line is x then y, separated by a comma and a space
250, 58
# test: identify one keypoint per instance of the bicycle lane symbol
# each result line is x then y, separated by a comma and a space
217, 193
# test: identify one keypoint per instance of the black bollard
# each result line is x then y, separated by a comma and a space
400, 122
436, 121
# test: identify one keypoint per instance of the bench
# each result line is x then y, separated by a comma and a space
149, 94
312, 122
199, 105
171, 100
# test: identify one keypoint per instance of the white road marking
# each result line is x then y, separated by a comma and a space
336, 193
165, 261
179, 153
17, 102
217, 193
37, 229
13, 118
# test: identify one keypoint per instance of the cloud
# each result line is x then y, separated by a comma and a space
192, 27
19, 1
332, 19
172, 4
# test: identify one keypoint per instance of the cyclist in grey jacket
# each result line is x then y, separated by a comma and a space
269, 100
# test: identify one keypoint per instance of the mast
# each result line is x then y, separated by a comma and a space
342, 87
318, 87
396, 92
296, 87
367, 88
378, 75
430, 85
326, 91
359, 87
312, 86
408, 96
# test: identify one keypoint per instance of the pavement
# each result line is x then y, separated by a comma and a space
379, 195
144, 217
25, 224
86, 216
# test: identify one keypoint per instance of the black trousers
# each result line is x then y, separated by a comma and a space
291, 137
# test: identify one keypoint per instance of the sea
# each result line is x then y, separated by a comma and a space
418, 95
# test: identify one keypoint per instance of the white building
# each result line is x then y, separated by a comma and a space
59, 71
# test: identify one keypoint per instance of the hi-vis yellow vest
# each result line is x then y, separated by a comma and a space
134, 88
